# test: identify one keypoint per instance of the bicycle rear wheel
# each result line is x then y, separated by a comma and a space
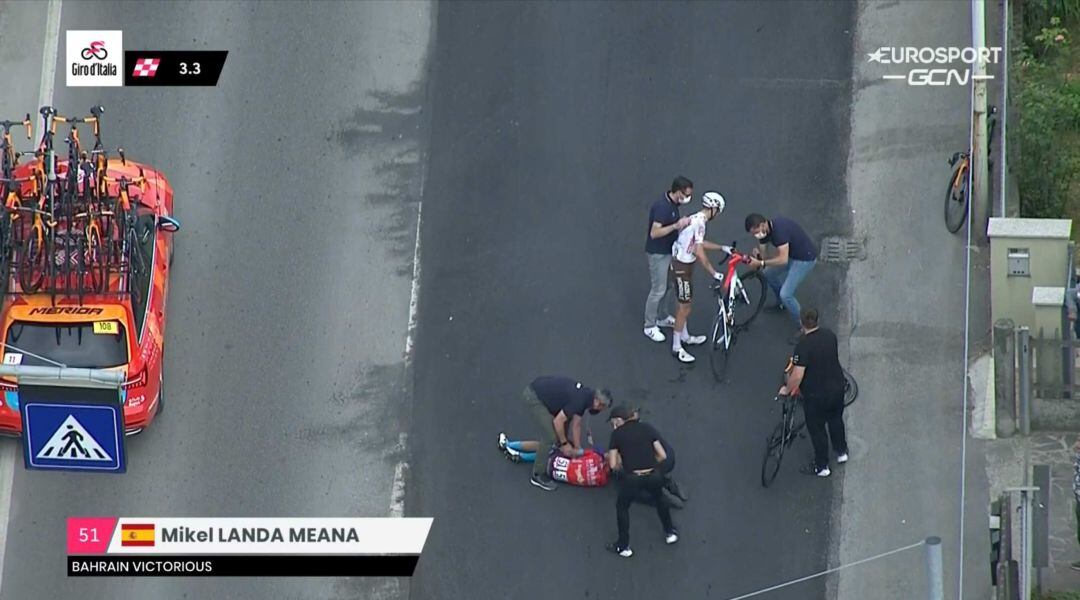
749, 302
774, 455
956, 198
851, 388
718, 352
33, 265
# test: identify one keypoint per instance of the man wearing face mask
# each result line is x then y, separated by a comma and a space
795, 257
690, 247
559, 403
664, 227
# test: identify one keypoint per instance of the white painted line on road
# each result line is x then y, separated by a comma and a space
9, 452
397, 492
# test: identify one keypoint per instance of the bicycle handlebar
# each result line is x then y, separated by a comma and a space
7, 125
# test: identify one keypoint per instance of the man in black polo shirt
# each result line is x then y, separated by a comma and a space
795, 257
664, 226
636, 451
816, 374
558, 404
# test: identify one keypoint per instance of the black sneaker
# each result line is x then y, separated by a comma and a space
543, 482
676, 490
623, 552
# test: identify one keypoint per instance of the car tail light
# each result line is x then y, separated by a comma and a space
138, 381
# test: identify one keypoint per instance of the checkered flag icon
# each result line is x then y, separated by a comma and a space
146, 67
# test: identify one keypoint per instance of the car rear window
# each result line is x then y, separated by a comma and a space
71, 344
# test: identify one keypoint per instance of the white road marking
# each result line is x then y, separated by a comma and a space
397, 492
9, 451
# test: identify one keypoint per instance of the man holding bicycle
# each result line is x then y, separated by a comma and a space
816, 374
690, 247
795, 257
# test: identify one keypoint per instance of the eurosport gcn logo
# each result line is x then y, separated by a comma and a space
940, 66
94, 58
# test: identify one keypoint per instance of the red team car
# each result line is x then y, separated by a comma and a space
87, 255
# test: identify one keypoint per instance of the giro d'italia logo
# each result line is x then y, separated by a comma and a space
934, 67
95, 58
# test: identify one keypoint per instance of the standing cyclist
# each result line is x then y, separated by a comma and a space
795, 257
690, 247
664, 226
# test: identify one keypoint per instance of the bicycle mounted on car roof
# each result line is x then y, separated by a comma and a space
71, 227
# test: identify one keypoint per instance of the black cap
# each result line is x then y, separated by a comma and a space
621, 411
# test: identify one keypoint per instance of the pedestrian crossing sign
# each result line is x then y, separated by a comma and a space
82, 432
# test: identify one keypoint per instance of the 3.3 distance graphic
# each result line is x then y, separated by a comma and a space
173, 67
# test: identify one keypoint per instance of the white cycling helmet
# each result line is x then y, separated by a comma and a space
713, 200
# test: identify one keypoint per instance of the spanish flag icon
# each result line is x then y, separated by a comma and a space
137, 534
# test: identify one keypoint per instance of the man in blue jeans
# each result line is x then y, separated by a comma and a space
795, 257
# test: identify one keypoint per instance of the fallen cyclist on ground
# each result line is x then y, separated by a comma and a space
525, 451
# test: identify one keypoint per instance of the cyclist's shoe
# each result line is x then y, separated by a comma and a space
668, 321
811, 469
543, 482
675, 490
843, 458
502, 441
695, 340
623, 552
512, 455
671, 537
654, 334
683, 356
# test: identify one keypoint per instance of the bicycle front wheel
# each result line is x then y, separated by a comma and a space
851, 388
719, 350
956, 198
774, 455
749, 298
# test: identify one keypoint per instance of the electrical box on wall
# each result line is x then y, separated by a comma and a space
1019, 262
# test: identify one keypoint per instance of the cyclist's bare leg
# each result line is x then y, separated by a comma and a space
682, 315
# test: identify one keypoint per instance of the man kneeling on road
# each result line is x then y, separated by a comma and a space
559, 404
623, 414
637, 453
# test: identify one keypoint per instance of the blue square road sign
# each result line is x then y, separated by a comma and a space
73, 434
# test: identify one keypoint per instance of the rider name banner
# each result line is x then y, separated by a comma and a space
249, 547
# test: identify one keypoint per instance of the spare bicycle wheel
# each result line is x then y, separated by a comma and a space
956, 199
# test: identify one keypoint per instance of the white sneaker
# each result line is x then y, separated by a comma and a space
667, 322
824, 472
843, 458
671, 538
654, 334
502, 441
695, 340
683, 356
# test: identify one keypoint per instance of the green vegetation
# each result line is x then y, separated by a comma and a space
1047, 98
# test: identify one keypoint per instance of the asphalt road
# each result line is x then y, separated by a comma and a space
554, 127
297, 185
